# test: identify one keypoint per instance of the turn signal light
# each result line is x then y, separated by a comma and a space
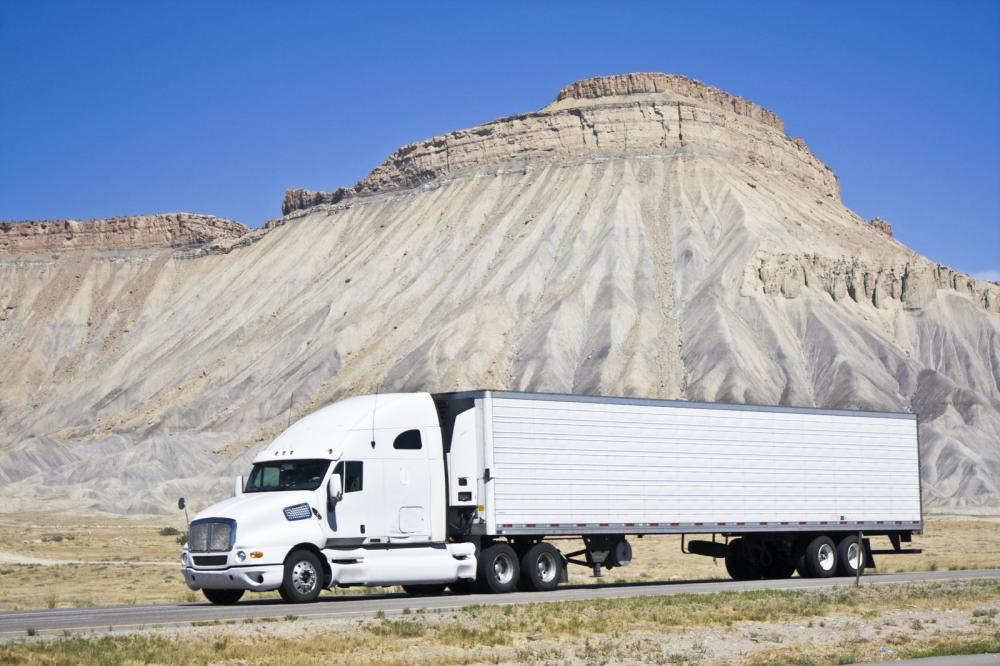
256, 554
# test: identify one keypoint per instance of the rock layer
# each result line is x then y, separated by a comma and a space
174, 230
642, 235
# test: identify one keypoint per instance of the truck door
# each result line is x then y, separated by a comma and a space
407, 488
355, 517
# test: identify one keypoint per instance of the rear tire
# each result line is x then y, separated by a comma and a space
820, 558
498, 569
849, 555
303, 579
738, 561
541, 568
429, 589
223, 597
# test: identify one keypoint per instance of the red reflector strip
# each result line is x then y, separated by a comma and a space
699, 524
553, 524
843, 522
761, 523
784, 522
675, 524
822, 522
654, 524
531, 525
741, 523
581, 524
720, 523
629, 524
602, 524
802, 522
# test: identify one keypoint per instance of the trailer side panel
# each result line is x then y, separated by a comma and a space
581, 466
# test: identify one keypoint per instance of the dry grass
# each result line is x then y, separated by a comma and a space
131, 548
634, 630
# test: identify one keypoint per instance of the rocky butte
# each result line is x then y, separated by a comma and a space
643, 234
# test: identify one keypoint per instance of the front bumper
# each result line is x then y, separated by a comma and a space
258, 578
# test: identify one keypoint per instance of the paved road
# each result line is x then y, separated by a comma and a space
56, 621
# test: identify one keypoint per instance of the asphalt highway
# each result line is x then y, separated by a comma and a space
130, 618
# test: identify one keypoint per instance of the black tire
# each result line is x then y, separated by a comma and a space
498, 569
738, 561
428, 589
844, 547
223, 597
303, 579
779, 569
541, 568
462, 587
820, 558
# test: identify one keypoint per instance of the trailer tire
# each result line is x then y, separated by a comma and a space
424, 589
541, 568
498, 569
302, 581
820, 558
738, 562
848, 552
223, 597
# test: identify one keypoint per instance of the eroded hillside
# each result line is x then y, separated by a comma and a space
642, 235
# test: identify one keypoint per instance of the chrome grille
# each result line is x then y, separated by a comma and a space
210, 536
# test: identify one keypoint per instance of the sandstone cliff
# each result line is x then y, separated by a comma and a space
176, 230
642, 235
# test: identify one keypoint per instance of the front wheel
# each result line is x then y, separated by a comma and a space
497, 569
302, 579
223, 597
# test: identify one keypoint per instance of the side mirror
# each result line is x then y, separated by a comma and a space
335, 489
180, 504
238, 490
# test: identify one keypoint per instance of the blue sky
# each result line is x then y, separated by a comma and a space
217, 107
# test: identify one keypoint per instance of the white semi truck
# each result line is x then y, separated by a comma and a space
473, 490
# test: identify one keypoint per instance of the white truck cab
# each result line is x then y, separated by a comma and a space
445, 490
352, 494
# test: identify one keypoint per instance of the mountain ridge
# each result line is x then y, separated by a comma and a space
665, 241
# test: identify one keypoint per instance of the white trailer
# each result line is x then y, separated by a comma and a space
471, 489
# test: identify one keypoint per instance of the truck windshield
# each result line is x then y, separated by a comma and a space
286, 475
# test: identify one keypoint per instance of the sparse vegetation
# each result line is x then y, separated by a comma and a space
136, 565
168, 531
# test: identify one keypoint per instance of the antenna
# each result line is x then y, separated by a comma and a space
374, 407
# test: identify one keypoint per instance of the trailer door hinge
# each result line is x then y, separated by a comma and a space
486, 475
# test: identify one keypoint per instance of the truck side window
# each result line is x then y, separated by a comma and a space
408, 440
353, 475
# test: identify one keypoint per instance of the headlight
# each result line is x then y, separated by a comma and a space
241, 555
185, 560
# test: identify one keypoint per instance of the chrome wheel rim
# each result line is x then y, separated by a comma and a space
546, 567
503, 568
304, 577
826, 557
854, 556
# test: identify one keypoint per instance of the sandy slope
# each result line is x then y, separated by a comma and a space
657, 241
